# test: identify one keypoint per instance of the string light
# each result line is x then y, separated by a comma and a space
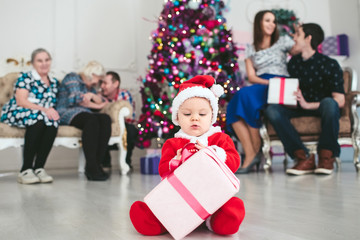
180, 51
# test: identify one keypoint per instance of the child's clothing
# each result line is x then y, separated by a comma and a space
221, 142
224, 221
228, 218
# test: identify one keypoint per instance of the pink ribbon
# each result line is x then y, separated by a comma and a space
174, 164
282, 90
185, 154
187, 196
228, 173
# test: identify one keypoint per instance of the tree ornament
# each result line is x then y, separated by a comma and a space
194, 4
191, 39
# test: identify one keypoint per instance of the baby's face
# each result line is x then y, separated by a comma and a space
194, 116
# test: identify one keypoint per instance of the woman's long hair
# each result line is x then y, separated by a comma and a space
258, 32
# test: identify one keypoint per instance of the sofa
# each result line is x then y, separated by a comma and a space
67, 136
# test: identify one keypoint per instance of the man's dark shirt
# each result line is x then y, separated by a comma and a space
319, 76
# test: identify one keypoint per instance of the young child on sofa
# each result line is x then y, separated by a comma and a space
195, 109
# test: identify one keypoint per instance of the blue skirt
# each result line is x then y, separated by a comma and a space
248, 103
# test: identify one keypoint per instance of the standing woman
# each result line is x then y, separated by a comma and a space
32, 107
266, 58
77, 106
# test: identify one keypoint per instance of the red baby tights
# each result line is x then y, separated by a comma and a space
224, 221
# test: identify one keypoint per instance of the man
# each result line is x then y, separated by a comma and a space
110, 89
321, 94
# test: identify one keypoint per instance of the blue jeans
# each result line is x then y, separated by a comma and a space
329, 112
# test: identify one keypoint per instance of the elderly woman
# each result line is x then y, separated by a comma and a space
32, 107
77, 100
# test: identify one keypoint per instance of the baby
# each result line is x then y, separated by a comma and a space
195, 109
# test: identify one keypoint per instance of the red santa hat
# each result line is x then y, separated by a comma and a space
199, 86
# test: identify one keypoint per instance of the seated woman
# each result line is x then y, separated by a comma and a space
77, 106
32, 107
266, 58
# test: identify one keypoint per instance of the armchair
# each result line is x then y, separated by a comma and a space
309, 127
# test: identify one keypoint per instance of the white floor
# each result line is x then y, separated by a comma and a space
278, 206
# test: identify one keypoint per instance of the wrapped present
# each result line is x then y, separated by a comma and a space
194, 191
335, 45
150, 163
281, 91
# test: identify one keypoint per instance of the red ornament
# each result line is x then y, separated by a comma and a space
146, 143
142, 117
211, 24
157, 113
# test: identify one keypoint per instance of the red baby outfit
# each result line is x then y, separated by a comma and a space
227, 219
224, 221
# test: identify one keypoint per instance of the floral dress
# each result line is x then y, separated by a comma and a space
39, 93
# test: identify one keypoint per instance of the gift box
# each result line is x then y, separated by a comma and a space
335, 45
194, 191
281, 91
150, 163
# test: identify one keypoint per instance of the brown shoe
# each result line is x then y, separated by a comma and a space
326, 162
304, 165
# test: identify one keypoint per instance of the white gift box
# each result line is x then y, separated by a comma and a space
194, 191
281, 91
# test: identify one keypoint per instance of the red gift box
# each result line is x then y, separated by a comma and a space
193, 192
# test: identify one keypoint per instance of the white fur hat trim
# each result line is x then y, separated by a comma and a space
196, 91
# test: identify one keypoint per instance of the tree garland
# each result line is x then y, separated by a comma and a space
286, 20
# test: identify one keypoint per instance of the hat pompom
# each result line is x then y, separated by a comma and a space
217, 89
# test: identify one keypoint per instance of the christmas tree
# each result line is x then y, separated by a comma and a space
191, 39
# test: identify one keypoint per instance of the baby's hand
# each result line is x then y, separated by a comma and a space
198, 145
178, 154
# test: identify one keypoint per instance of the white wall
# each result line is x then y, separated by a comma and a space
116, 33
77, 31
345, 18
242, 12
